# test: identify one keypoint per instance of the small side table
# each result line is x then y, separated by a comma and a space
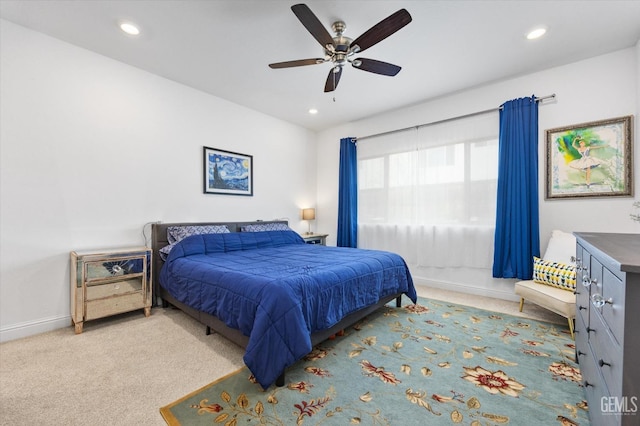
315, 239
109, 282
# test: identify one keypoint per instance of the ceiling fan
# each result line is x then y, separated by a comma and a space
340, 49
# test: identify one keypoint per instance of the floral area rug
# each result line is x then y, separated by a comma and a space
434, 363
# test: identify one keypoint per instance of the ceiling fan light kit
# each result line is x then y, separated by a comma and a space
339, 50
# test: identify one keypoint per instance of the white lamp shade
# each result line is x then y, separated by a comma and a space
308, 214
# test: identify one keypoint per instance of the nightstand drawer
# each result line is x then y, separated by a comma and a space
100, 291
113, 305
315, 239
117, 267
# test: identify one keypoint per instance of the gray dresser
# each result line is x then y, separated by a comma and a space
608, 325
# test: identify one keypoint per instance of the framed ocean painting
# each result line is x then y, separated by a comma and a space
227, 172
590, 159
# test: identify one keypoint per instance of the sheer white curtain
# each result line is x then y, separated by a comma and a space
429, 194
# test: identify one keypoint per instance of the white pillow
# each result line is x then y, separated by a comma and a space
562, 245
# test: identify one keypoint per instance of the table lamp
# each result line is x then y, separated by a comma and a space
309, 215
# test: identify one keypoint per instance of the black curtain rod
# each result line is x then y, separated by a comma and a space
538, 99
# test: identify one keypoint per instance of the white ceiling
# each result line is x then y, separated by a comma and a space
223, 47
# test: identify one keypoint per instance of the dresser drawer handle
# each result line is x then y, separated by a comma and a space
587, 281
598, 301
601, 363
589, 330
580, 353
578, 263
587, 384
582, 308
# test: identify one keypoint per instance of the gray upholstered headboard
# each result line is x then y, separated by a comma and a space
159, 239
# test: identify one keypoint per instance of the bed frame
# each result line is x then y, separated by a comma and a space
161, 296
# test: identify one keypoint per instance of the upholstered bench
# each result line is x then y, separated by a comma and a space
554, 279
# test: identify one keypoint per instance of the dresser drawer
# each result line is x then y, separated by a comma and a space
583, 300
582, 292
113, 305
613, 313
594, 276
595, 390
115, 288
608, 358
582, 341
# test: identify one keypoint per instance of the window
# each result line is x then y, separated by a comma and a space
429, 194
445, 175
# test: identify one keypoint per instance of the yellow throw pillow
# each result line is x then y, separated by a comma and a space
555, 274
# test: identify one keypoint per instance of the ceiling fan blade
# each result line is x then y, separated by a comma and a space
312, 24
378, 67
298, 63
382, 30
332, 79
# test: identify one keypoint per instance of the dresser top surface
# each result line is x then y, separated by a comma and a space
623, 248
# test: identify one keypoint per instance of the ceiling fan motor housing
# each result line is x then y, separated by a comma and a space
338, 52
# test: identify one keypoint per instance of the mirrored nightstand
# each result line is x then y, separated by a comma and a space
109, 282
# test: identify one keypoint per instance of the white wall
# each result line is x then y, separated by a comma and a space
92, 149
603, 87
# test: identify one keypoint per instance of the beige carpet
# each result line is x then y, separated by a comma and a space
121, 370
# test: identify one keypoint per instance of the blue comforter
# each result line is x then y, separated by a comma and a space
277, 290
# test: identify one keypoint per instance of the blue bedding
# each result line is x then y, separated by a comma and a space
277, 290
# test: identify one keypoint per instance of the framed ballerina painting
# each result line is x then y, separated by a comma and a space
591, 159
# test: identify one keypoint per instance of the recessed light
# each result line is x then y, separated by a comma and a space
536, 33
129, 28
313, 111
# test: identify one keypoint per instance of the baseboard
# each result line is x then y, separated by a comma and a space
18, 331
26, 329
496, 293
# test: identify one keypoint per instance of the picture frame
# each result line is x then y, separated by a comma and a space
593, 159
226, 172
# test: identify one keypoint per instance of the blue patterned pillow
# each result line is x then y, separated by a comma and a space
266, 227
175, 234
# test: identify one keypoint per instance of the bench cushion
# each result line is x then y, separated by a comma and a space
560, 301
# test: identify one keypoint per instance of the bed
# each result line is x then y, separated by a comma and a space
259, 285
